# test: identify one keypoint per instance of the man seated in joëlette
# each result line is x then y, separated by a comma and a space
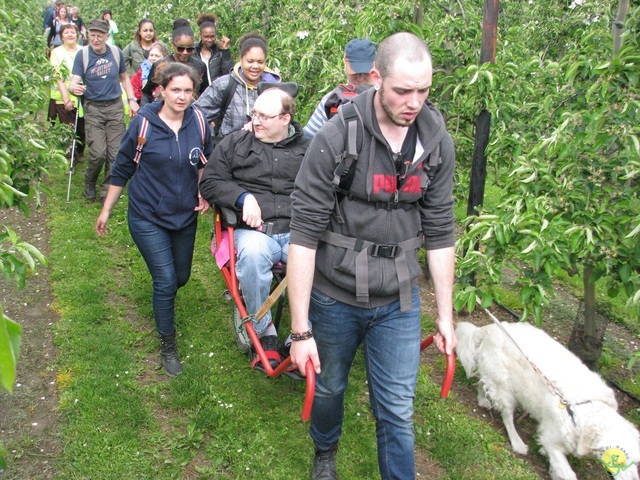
253, 172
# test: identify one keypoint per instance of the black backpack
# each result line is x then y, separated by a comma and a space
346, 164
343, 93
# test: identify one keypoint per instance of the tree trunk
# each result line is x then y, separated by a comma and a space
618, 26
265, 16
479, 162
483, 123
418, 13
588, 330
589, 303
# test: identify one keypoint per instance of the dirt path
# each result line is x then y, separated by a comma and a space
29, 423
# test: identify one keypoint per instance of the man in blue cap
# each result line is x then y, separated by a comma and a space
359, 59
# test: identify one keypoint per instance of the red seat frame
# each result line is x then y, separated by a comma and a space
230, 279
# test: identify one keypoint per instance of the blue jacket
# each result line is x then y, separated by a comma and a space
164, 183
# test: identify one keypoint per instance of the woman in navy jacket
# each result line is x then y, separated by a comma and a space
163, 194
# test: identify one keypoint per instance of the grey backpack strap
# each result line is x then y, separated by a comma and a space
365, 248
434, 161
115, 51
85, 57
351, 120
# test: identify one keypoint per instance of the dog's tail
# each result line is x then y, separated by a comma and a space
466, 350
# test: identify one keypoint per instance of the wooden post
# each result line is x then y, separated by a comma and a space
483, 123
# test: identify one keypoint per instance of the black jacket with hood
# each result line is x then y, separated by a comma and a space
219, 63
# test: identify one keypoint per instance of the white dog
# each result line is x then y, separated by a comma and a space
590, 424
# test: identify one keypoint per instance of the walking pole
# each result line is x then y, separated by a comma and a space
73, 153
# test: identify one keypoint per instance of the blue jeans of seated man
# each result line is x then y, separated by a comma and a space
257, 254
168, 255
391, 342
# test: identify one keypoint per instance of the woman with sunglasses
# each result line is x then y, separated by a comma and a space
183, 43
241, 84
164, 200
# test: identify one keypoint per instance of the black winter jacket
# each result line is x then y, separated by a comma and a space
241, 163
220, 62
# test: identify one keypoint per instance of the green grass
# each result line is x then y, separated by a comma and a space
219, 419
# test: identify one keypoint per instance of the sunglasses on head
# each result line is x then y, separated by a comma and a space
185, 49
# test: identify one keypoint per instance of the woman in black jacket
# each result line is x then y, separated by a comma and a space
212, 51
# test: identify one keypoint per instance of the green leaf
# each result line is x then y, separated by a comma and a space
10, 336
471, 302
487, 300
625, 272
530, 248
634, 232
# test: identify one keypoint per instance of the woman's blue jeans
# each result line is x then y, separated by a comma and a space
391, 341
168, 255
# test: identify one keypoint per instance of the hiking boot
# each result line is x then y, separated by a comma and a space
90, 191
169, 355
324, 465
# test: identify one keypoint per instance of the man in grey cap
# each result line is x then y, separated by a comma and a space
359, 59
97, 72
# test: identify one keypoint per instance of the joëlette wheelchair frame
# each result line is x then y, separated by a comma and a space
233, 288
229, 274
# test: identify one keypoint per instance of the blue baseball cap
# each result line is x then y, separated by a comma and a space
361, 54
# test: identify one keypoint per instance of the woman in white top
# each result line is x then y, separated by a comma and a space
63, 105
113, 28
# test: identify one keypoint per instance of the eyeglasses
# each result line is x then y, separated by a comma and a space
96, 36
182, 49
263, 118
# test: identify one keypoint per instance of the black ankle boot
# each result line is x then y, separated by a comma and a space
169, 355
324, 465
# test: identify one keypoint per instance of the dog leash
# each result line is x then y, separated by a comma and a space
564, 404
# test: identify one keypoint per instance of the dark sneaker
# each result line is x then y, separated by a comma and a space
324, 465
270, 346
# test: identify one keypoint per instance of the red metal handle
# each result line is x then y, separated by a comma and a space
450, 370
310, 391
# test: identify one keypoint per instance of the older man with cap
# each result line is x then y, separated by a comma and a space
97, 72
359, 60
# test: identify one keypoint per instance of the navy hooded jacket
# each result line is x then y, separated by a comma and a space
164, 183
